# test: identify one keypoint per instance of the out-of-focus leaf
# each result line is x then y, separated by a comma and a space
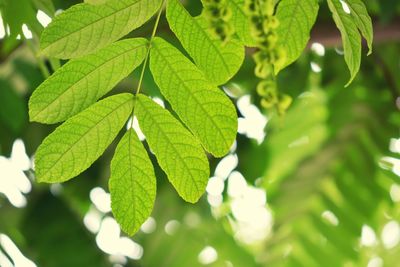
12, 108
16, 13
286, 148
190, 230
45, 5
56, 237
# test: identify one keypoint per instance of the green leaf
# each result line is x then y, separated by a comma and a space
85, 28
45, 5
218, 62
241, 22
77, 143
296, 18
362, 19
132, 183
13, 108
81, 82
204, 108
16, 13
350, 37
95, 2
178, 153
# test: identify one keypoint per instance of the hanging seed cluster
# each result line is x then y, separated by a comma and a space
263, 30
219, 14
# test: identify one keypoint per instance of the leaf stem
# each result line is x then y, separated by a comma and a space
153, 34
148, 49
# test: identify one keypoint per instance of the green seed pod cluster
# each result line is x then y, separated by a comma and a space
271, 97
219, 14
263, 24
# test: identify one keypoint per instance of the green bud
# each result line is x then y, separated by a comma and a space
268, 8
226, 13
254, 19
267, 88
257, 30
280, 56
269, 42
270, 23
284, 103
260, 56
250, 7
267, 103
211, 12
222, 31
263, 70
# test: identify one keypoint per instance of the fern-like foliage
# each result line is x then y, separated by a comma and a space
334, 192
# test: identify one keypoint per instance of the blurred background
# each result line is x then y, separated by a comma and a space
318, 186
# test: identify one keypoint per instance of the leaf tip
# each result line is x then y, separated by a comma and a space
41, 178
193, 199
32, 116
349, 82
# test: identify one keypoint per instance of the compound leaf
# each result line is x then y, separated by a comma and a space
350, 37
296, 18
132, 183
77, 143
204, 108
177, 151
85, 28
81, 82
218, 61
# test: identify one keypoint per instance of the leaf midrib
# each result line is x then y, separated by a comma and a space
226, 67
83, 78
194, 97
291, 21
86, 132
363, 28
88, 25
344, 27
172, 145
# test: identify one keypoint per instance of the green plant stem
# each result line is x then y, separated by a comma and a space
42, 66
153, 34
54, 63
149, 47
